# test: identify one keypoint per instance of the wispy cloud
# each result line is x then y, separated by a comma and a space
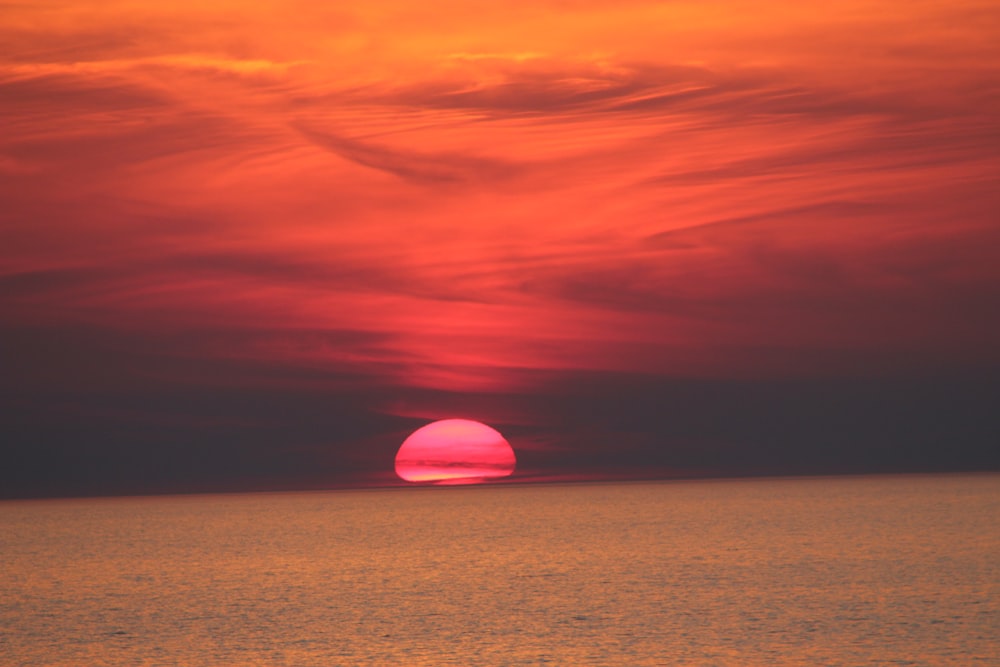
428, 168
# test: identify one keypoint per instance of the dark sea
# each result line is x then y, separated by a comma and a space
895, 570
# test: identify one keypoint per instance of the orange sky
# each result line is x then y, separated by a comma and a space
461, 197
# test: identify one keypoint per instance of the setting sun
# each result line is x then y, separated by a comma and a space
454, 451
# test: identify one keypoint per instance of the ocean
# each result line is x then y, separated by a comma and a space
892, 570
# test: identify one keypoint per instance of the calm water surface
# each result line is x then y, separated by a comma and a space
860, 571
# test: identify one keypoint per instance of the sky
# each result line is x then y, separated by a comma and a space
253, 246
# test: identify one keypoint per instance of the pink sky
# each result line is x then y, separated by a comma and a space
469, 199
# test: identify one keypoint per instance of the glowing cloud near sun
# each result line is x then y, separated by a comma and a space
455, 451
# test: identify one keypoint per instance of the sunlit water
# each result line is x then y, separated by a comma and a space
866, 571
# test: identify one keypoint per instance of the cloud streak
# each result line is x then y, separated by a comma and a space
416, 167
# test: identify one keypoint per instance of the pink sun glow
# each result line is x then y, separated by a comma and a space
454, 451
